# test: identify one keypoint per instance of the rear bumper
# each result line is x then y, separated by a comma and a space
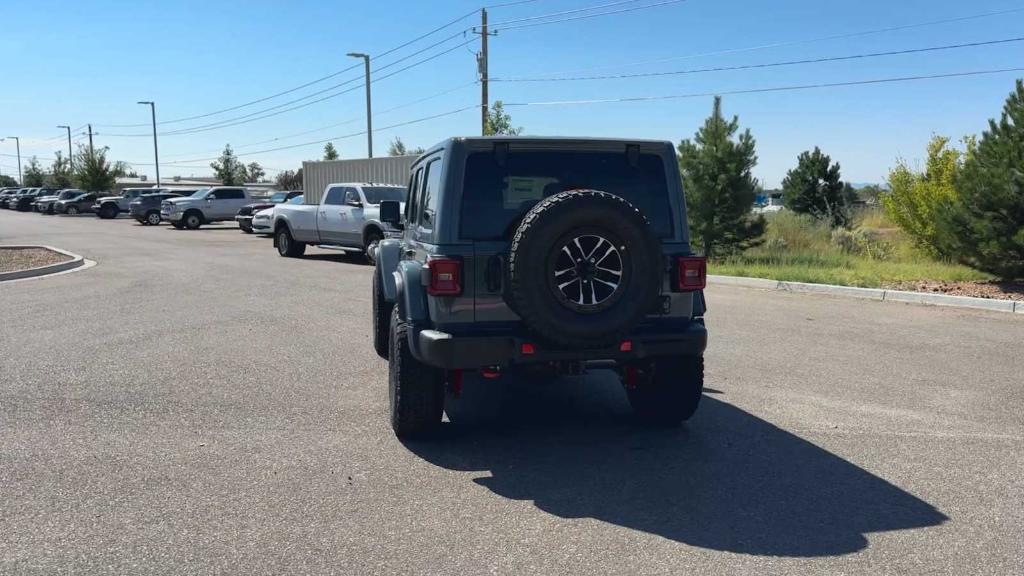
444, 350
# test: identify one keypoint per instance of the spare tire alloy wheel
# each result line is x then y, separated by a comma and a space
588, 273
584, 268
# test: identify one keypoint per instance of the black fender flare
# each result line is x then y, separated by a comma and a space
389, 252
411, 296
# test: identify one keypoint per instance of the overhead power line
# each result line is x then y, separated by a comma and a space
300, 87
565, 12
501, 28
277, 109
787, 43
765, 65
346, 122
344, 136
765, 90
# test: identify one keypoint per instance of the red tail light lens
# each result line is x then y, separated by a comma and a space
445, 277
692, 273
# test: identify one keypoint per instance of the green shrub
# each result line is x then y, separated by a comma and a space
914, 198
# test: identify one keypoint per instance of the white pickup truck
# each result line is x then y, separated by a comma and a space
348, 217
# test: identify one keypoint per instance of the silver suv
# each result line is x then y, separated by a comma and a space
204, 207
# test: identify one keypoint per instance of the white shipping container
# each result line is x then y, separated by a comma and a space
316, 175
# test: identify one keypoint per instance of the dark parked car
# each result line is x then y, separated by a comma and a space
244, 216
11, 201
541, 254
78, 205
146, 208
6, 194
25, 201
44, 204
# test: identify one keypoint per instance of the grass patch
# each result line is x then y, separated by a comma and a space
871, 254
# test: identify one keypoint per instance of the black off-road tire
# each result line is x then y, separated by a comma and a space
370, 242
668, 390
537, 244
108, 212
381, 318
192, 220
416, 391
287, 246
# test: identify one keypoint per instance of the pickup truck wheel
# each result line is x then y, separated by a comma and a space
71, 210
192, 221
381, 317
108, 211
416, 391
373, 238
287, 246
584, 268
666, 391
153, 218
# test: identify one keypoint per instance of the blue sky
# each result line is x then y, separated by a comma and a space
77, 62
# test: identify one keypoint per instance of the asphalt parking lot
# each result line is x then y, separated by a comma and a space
197, 404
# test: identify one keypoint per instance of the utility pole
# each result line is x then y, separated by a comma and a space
71, 162
481, 60
369, 114
91, 134
17, 143
156, 155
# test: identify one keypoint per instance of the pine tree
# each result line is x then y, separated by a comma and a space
814, 187
329, 152
719, 187
984, 226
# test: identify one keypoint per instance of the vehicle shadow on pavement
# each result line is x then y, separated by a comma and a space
727, 480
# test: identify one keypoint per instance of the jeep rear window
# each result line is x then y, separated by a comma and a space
495, 197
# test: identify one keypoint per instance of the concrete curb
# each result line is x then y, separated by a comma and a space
872, 294
75, 262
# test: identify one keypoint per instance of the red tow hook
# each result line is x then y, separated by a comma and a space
491, 372
455, 380
631, 377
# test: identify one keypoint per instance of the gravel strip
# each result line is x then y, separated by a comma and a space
26, 258
991, 290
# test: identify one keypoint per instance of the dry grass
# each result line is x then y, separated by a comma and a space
872, 253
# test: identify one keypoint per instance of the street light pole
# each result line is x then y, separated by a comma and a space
369, 113
17, 143
156, 155
71, 163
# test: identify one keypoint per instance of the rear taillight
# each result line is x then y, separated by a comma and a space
445, 277
691, 273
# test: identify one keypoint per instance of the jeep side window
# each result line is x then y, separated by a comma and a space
430, 191
334, 196
414, 190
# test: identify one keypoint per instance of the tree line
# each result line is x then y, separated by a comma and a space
966, 206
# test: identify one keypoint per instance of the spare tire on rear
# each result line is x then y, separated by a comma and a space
584, 268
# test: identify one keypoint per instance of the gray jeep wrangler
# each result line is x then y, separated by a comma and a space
553, 254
